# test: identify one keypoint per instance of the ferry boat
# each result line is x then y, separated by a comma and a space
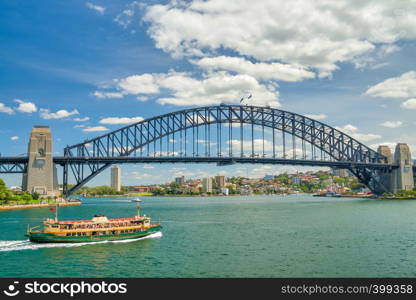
328, 194
99, 228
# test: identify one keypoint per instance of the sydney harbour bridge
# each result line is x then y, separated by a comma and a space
224, 135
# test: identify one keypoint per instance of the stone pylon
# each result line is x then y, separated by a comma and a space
41, 173
387, 179
403, 176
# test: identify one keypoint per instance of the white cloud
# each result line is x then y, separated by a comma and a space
142, 98
214, 88
403, 86
126, 17
5, 109
409, 104
315, 34
97, 8
60, 114
118, 120
260, 70
268, 148
104, 95
370, 59
387, 49
392, 124
316, 116
145, 175
353, 132
391, 145
14, 138
79, 126
258, 145
184, 173
148, 167
139, 84
95, 129
81, 119
26, 107
379, 66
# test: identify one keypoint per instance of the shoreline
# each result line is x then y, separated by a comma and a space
42, 205
364, 196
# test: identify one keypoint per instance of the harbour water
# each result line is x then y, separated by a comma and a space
258, 236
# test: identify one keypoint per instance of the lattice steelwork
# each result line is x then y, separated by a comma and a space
225, 134
13, 164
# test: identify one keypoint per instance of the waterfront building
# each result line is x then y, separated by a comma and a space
268, 177
296, 180
15, 188
225, 191
141, 189
116, 178
220, 181
180, 180
340, 172
207, 185
245, 190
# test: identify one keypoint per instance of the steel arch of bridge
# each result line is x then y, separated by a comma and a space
86, 160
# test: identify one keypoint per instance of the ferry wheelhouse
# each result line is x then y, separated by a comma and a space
99, 228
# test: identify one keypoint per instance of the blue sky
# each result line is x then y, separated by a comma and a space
87, 67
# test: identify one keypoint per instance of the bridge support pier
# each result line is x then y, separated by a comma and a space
41, 174
386, 179
403, 176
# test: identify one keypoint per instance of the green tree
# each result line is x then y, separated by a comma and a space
174, 189
231, 189
2, 185
282, 178
26, 197
158, 191
357, 185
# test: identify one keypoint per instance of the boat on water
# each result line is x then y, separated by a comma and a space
99, 228
328, 194
136, 200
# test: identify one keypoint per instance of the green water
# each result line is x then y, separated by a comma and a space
264, 236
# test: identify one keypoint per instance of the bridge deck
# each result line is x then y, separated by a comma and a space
61, 160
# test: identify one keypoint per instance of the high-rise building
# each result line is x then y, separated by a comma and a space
180, 180
116, 178
207, 185
220, 181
